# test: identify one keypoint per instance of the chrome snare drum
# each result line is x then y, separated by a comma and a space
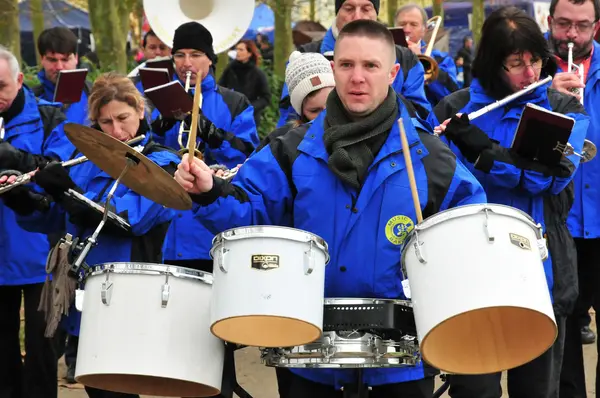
358, 333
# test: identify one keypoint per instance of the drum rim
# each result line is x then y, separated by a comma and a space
265, 231
141, 268
475, 208
362, 300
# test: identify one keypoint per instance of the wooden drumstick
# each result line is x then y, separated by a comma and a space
195, 119
411, 173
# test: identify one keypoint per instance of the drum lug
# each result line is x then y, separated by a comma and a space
309, 260
165, 291
488, 232
417, 246
106, 292
221, 260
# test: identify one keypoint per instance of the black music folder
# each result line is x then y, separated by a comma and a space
399, 36
171, 100
69, 85
542, 135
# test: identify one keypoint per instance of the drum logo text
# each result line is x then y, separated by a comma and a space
265, 261
398, 228
520, 241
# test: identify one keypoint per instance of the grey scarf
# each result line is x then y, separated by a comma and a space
353, 145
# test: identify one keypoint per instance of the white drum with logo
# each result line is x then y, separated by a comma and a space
145, 330
479, 291
268, 286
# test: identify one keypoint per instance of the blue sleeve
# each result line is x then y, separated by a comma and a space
58, 145
47, 222
413, 88
242, 127
446, 83
259, 195
464, 189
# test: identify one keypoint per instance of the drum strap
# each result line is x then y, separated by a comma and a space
59, 292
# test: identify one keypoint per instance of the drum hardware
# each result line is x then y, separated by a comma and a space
92, 240
430, 65
112, 156
2, 131
165, 291
27, 177
444, 387
228, 174
579, 69
106, 292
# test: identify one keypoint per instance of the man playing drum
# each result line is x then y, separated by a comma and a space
344, 178
503, 67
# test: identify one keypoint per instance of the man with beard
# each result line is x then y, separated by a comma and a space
576, 21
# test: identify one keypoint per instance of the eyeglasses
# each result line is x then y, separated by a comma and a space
521, 67
564, 25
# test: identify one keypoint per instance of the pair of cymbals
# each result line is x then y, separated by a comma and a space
145, 177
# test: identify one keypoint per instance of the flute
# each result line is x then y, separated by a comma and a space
480, 112
27, 177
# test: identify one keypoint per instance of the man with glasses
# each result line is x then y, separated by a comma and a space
576, 21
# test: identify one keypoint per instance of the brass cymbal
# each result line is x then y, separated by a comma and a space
146, 178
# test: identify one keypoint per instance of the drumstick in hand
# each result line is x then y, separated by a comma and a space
411, 173
195, 118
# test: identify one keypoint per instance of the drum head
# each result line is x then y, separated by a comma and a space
265, 331
488, 340
147, 385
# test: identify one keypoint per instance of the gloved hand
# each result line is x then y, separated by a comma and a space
23, 201
18, 159
55, 180
161, 125
209, 133
469, 139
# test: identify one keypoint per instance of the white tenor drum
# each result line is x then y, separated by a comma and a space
268, 286
145, 330
479, 292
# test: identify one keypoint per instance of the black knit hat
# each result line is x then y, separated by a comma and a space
195, 36
339, 3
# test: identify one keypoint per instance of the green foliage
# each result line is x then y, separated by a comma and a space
270, 115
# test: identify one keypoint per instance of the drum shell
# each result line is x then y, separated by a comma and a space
287, 291
490, 298
135, 336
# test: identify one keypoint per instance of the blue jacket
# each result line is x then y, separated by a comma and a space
526, 189
446, 83
584, 219
148, 220
77, 112
289, 183
231, 112
23, 254
409, 82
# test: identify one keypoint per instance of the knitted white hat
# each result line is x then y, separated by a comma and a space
307, 72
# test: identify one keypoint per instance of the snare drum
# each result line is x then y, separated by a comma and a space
359, 333
145, 330
479, 290
268, 288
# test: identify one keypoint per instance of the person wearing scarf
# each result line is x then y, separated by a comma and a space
512, 55
343, 177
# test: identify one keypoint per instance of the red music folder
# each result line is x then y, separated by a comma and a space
399, 36
161, 63
171, 100
69, 85
152, 77
542, 135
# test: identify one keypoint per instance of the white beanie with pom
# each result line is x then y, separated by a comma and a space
305, 73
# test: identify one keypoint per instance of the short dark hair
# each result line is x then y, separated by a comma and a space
370, 29
57, 40
506, 31
466, 39
596, 4
145, 39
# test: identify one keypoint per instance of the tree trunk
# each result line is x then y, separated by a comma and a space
10, 32
438, 9
222, 61
283, 45
110, 24
477, 19
392, 7
312, 13
37, 20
